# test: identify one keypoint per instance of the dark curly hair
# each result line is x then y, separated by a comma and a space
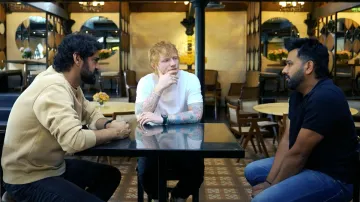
83, 44
311, 49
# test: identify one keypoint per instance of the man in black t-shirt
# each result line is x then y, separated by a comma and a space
315, 159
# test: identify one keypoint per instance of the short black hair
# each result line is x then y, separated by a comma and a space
311, 49
83, 44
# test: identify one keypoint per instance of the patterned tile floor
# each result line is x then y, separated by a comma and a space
224, 179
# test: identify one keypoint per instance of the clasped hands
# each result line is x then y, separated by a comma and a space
121, 129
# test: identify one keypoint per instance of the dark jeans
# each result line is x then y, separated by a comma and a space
82, 181
190, 171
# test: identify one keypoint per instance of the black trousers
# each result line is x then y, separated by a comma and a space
189, 169
82, 181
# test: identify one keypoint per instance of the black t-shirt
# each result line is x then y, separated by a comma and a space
325, 110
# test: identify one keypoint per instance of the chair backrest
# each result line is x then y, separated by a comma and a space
210, 79
235, 89
232, 114
247, 105
130, 78
249, 93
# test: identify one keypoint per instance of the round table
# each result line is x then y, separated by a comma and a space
110, 107
280, 108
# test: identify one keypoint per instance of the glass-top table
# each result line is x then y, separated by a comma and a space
209, 140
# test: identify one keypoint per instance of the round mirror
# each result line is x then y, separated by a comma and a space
275, 32
106, 32
30, 37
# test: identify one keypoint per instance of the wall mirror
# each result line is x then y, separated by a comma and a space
106, 32
275, 32
347, 39
30, 37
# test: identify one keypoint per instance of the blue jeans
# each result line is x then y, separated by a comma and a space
82, 181
308, 185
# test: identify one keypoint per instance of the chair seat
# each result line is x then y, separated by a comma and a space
246, 129
267, 123
109, 73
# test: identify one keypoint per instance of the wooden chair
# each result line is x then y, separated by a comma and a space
245, 125
283, 122
234, 93
110, 76
131, 84
211, 89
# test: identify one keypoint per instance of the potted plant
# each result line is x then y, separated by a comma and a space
26, 53
101, 98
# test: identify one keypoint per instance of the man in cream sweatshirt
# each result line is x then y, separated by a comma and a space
45, 124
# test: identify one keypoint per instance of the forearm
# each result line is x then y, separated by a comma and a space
149, 105
279, 157
192, 116
103, 136
291, 165
100, 123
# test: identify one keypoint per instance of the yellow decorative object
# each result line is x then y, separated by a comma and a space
277, 54
101, 97
104, 53
189, 58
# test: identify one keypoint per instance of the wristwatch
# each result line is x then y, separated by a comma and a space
165, 118
107, 122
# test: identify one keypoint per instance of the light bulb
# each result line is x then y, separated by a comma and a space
186, 2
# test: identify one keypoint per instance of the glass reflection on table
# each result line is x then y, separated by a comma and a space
174, 137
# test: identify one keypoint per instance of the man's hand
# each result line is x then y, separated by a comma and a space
120, 129
166, 80
147, 117
259, 188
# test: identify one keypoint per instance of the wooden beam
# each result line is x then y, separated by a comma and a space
49, 8
109, 7
332, 8
274, 6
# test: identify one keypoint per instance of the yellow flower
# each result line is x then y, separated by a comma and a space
101, 96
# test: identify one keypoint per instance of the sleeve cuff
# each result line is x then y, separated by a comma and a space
96, 117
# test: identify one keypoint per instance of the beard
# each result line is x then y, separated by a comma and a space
296, 79
87, 76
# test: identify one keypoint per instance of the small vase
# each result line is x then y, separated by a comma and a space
101, 103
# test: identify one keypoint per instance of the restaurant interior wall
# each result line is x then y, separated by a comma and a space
296, 18
225, 42
13, 20
81, 18
355, 16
